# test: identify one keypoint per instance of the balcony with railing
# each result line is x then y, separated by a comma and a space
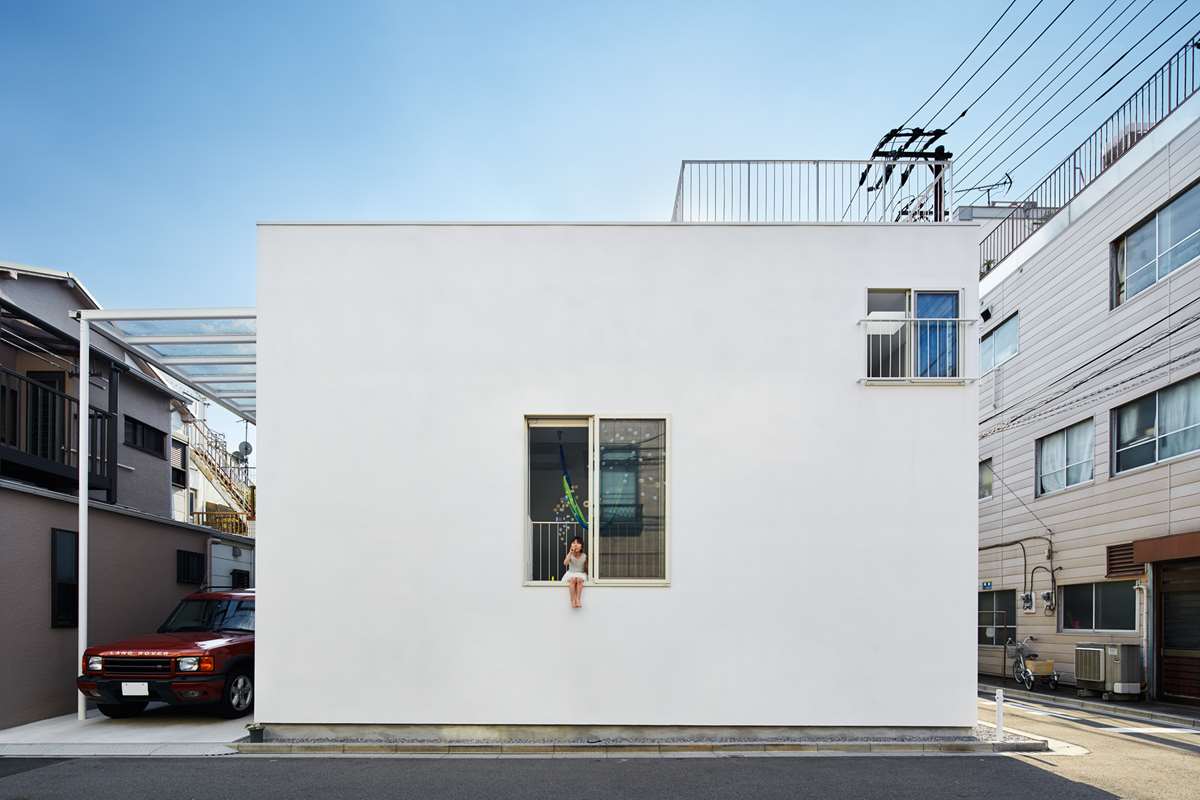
39, 435
1155, 100
787, 191
236, 522
902, 350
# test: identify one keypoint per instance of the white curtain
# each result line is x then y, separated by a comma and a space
1080, 449
1052, 458
1178, 408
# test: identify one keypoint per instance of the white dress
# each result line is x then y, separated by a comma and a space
576, 568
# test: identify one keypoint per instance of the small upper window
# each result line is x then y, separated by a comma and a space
1064, 458
1157, 247
985, 479
143, 437
998, 345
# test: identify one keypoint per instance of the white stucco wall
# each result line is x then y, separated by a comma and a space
823, 532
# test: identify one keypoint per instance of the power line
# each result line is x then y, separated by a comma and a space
960, 64
983, 151
985, 63
1023, 53
963, 152
1054, 135
1100, 97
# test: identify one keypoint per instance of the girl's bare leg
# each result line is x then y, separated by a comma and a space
571, 589
579, 594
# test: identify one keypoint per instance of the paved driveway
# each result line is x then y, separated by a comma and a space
161, 730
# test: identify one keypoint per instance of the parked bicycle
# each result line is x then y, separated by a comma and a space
1027, 669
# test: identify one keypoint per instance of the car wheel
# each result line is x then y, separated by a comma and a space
121, 710
237, 700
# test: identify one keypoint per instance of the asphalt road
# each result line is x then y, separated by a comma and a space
1124, 756
893, 778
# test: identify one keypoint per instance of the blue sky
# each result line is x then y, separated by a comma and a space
142, 141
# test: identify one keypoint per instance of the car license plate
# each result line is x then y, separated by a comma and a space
141, 689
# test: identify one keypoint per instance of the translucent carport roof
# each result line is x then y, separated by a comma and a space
212, 351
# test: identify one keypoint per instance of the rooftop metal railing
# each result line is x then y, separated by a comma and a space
813, 191
1167, 89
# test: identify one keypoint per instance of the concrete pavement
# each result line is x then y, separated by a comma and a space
161, 730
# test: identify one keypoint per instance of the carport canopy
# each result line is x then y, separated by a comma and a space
212, 351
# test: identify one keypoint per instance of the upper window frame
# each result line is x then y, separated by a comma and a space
1118, 247
1037, 460
1094, 630
140, 445
1014, 317
910, 366
592, 421
992, 484
1114, 438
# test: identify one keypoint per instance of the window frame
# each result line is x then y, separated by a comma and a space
1095, 610
1010, 625
1118, 248
991, 485
57, 620
1037, 460
1013, 317
594, 555
911, 357
139, 440
1113, 423
179, 475
182, 575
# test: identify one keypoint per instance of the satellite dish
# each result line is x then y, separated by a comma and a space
245, 449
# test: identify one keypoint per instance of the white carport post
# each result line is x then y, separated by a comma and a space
85, 429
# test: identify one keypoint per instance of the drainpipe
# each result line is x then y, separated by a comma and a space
1147, 640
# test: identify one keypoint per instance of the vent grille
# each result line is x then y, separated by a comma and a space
1089, 664
1120, 561
118, 665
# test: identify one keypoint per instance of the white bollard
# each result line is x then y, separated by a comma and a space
999, 715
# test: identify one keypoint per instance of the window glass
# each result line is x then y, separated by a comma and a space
999, 345
240, 617
1179, 411
558, 502
997, 616
1158, 246
887, 333
64, 578
1135, 433
1065, 457
985, 478
1077, 607
633, 499
1177, 224
937, 334
1116, 606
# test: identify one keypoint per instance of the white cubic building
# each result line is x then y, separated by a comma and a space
761, 432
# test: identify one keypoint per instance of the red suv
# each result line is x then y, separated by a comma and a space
202, 654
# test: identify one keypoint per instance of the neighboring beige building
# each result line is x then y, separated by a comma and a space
1089, 476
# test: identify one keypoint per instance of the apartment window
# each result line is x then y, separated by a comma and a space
1092, 607
619, 509
1064, 458
189, 567
239, 578
912, 334
64, 579
1158, 426
997, 616
985, 479
179, 475
1157, 247
998, 345
143, 437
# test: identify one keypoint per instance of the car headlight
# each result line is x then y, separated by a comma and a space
95, 663
189, 663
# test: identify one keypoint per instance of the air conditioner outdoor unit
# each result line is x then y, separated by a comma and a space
1114, 669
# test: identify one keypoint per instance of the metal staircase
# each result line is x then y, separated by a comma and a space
229, 474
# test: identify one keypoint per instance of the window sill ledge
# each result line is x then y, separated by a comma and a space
916, 381
655, 584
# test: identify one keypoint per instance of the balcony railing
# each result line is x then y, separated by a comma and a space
225, 521
1166, 90
916, 350
39, 430
813, 191
547, 547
